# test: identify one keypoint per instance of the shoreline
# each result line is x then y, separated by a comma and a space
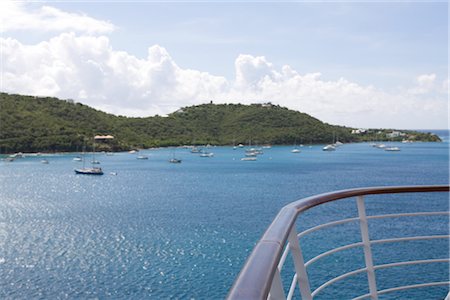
44, 153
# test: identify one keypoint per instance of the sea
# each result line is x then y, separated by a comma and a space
150, 229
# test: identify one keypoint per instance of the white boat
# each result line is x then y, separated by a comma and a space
44, 161
196, 150
296, 150
95, 162
392, 149
206, 154
142, 157
329, 148
250, 153
248, 158
77, 158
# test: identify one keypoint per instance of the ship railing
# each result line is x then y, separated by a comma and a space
260, 277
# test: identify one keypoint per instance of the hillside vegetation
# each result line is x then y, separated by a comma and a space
31, 124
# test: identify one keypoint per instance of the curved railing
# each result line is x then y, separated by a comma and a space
260, 277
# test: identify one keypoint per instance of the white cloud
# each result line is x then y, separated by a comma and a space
424, 84
15, 15
89, 70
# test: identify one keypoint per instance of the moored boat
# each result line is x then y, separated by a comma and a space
250, 158
89, 171
206, 154
329, 148
392, 149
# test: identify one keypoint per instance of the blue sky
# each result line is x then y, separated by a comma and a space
388, 52
373, 43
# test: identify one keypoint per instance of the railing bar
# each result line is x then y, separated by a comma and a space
413, 238
367, 247
292, 288
276, 290
267, 252
405, 287
412, 262
430, 237
416, 214
404, 263
420, 285
299, 264
359, 244
315, 228
343, 221
283, 257
343, 276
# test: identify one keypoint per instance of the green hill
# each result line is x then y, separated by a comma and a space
31, 124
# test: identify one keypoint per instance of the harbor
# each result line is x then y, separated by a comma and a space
162, 230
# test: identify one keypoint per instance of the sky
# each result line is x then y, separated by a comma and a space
363, 64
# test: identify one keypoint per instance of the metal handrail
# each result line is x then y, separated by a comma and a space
257, 276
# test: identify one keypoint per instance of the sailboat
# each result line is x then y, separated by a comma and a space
295, 150
92, 170
206, 153
174, 160
330, 147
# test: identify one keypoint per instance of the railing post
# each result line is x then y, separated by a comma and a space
448, 296
299, 263
367, 248
276, 290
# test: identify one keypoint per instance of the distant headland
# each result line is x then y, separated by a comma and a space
44, 124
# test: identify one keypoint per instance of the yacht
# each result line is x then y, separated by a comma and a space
250, 158
329, 148
380, 146
206, 154
92, 170
250, 153
89, 171
195, 149
392, 149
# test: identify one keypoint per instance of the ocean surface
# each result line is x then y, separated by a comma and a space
157, 230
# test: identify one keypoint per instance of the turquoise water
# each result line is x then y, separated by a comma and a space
182, 231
